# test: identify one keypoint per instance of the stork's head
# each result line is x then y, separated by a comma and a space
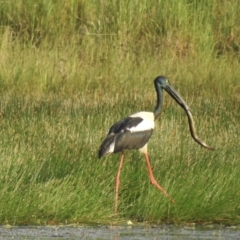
163, 83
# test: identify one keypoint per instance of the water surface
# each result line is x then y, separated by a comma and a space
144, 232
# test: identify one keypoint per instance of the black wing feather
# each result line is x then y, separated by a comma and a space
104, 148
126, 123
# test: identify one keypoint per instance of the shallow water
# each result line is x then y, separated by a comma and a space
168, 232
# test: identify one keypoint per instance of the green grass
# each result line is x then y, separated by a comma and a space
69, 70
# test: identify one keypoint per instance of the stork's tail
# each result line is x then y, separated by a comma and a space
107, 146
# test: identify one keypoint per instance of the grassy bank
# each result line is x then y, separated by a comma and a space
70, 70
50, 170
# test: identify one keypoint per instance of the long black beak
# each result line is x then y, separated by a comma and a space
175, 95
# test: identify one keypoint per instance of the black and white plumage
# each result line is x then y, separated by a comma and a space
135, 131
132, 132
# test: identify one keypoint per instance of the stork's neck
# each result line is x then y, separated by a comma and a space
158, 107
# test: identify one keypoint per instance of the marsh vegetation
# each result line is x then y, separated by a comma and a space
70, 69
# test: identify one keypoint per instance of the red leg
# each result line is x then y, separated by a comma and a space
152, 179
118, 182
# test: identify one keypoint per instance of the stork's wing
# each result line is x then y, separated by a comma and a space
125, 139
131, 140
124, 124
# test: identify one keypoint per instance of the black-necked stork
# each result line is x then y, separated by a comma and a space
135, 131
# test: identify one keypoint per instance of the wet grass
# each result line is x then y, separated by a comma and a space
62, 89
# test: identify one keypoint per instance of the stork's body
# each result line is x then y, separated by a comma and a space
132, 132
135, 131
